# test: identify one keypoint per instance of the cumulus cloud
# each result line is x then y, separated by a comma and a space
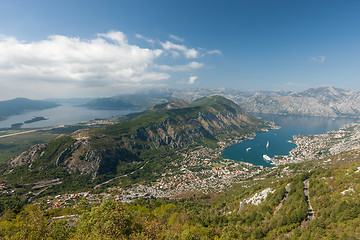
104, 60
107, 64
192, 79
319, 59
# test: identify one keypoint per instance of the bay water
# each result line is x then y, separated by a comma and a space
276, 141
62, 115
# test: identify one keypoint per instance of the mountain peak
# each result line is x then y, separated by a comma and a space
219, 103
170, 105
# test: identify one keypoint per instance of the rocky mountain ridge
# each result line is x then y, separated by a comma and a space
323, 101
327, 102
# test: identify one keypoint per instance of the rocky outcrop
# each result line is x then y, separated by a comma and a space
27, 157
79, 158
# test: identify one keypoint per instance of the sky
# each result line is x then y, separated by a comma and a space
63, 49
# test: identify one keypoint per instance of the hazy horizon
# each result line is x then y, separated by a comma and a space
144, 91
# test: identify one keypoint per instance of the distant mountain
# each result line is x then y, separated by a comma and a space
325, 101
20, 105
149, 98
69, 101
114, 103
152, 137
130, 101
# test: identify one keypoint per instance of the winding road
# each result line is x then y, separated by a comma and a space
310, 215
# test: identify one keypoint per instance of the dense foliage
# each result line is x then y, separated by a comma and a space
205, 217
333, 195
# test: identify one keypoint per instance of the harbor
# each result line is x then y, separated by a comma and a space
265, 147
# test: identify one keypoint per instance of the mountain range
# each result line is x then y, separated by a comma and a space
324, 101
328, 102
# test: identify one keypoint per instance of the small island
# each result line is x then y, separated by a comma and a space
16, 125
35, 119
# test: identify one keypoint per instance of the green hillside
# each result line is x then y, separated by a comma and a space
235, 214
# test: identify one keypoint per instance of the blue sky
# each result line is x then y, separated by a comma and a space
103, 48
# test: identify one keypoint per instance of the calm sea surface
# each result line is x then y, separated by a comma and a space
252, 151
65, 114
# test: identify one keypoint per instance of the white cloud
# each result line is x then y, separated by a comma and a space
215, 51
175, 50
118, 37
192, 79
61, 58
176, 38
105, 61
139, 36
186, 67
62, 66
319, 59
189, 53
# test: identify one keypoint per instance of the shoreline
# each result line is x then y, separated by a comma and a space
245, 138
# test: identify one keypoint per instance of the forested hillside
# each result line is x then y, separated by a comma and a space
273, 208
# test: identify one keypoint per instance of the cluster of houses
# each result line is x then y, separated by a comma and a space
200, 168
70, 198
204, 163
